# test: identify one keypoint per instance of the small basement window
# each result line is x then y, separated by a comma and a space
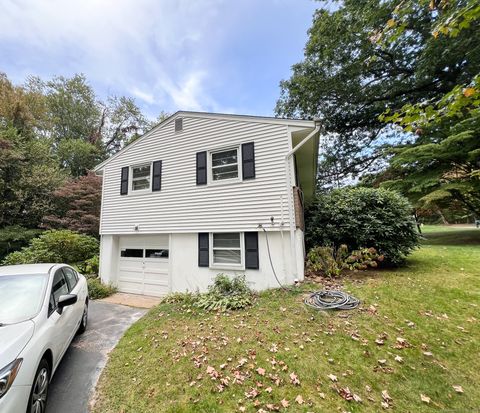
226, 249
140, 177
224, 164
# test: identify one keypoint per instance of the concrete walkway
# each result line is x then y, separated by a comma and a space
133, 300
78, 373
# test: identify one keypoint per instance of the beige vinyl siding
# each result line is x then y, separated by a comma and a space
181, 205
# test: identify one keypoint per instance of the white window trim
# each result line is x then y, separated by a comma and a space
130, 179
238, 178
218, 266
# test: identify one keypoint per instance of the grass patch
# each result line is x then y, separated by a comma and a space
162, 363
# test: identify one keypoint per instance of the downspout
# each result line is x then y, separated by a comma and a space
291, 211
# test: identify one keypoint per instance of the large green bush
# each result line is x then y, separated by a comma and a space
56, 246
361, 218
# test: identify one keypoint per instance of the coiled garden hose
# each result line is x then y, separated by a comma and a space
331, 300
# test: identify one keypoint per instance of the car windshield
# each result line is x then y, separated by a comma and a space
21, 297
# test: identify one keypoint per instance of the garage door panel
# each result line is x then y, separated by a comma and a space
148, 276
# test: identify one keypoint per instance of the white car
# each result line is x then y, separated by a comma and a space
42, 307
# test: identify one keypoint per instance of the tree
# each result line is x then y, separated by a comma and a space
77, 205
349, 78
27, 178
77, 156
441, 163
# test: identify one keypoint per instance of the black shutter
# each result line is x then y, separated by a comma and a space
203, 253
124, 181
201, 168
157, 176
248, 160
251, 250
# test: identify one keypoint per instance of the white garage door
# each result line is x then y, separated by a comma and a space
143, 264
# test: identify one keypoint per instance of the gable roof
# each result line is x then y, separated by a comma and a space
245, 118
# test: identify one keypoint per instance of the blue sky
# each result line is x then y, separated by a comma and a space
207, 55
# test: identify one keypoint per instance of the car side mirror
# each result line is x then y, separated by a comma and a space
65, 301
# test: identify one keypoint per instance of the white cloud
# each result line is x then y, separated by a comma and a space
159, 51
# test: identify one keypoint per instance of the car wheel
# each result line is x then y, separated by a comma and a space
38, 395
83, 323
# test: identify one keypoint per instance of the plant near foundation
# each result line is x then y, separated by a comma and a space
187, 299
329, 260
97, 290
226, 294
363, 258
332, 261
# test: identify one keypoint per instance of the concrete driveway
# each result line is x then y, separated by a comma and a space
78, 373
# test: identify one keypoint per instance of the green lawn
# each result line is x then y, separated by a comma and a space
164, 363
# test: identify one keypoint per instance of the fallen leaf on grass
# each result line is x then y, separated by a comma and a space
299, 399
425, 398
294, 379
399, 359
345, 393
457, 388
285, 403
332, 377
261, 371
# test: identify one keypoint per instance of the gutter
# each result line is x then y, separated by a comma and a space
291, 210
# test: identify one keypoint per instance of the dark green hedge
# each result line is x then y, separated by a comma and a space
363, 217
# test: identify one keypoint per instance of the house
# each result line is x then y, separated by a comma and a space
205, 193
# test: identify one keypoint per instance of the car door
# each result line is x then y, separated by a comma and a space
74, 288
59, 323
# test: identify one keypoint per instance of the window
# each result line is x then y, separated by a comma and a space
156, 253
140, 177
71, 277
131, 253
59, 288
226, 249
224, 164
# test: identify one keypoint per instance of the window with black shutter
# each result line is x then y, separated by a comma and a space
248, 160
157, 176
203, 252
251, 250
124, 181
201, 168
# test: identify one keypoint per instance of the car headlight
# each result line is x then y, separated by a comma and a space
8, 374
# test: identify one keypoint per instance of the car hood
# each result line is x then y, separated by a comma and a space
13, 338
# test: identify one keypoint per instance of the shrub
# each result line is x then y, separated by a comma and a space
187, 299
15, 237
363, 258
90, 266
226, 294
332, 261
97, 290
56, 246
328, 260
362, 217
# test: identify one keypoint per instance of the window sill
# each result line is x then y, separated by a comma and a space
238, 267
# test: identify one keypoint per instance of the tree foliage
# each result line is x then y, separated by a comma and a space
441, 164
76, 205
355, 68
